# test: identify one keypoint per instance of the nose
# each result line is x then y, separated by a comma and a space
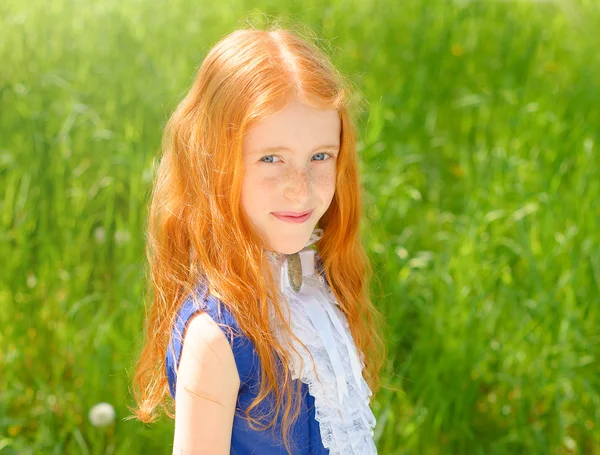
298, 185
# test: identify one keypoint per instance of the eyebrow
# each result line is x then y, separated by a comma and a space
287, 149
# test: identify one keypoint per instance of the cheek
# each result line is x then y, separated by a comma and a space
325, 182
257, 189
268, 185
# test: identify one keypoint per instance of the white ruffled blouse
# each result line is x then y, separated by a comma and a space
341, 394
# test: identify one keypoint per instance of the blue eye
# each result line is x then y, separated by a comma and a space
267, 156
324, 154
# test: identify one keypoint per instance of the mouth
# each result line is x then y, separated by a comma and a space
295, 214
293, 217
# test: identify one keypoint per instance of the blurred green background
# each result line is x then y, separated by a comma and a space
480, 162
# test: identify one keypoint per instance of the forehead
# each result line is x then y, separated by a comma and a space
297, 126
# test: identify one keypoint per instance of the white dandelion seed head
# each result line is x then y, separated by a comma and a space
102, 414
31, 280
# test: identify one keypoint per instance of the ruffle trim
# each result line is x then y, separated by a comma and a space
341, 394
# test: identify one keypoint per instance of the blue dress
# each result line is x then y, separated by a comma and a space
304, 436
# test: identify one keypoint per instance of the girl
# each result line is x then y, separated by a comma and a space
261, 325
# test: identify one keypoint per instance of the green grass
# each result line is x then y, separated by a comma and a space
480, 161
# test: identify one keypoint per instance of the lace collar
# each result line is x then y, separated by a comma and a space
341, 394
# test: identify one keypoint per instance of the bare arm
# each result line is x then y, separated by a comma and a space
206, 390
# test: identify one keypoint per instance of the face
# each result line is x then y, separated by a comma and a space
289, 169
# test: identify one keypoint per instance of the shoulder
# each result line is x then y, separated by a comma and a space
206, 356
209, 328
203, 329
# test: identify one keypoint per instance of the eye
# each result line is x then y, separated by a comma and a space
324, 155
268, 156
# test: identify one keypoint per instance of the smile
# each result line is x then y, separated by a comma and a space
292, 217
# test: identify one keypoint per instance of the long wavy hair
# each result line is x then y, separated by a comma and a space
198, 231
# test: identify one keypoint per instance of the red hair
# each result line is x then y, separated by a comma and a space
196, 207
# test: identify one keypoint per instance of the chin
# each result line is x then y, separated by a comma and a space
289, 247
288, 250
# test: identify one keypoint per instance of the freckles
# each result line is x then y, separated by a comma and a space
325, 180
298, 175
291, 173
268, 183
